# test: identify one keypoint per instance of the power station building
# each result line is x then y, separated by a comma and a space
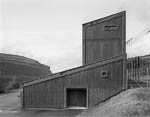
102, 75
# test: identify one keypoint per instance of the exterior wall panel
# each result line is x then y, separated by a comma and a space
45, 95
103, 88
100, 43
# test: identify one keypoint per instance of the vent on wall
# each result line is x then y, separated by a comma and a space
112, 27
105, 74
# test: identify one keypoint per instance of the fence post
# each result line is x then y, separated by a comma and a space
147, 77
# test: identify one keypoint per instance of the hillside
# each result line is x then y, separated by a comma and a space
20, 65
130, 103
16, 69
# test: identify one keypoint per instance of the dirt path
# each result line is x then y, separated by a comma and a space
10, 107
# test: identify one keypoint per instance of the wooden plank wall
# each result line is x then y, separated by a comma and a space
100, 43
47, 94
52, 93
103, 88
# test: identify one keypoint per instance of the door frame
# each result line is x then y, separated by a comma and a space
65, 94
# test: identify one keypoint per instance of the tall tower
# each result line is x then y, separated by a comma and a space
104, 38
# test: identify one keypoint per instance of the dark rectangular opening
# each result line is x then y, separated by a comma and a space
104, 74
76, 97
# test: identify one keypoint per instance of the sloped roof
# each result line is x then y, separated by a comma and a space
75, 70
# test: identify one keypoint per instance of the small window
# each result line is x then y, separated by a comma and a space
104, 74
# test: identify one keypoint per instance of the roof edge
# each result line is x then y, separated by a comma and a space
106, 18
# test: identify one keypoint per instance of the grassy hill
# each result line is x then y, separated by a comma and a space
130, 103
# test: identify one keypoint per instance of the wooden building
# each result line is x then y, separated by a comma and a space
84, 86
101, 76
104, 38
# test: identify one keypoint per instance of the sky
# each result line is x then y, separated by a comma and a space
50, 31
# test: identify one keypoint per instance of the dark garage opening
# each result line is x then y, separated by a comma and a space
76, 97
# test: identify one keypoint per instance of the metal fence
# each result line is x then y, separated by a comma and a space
138, 69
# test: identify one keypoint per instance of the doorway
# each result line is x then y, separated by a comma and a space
76, 97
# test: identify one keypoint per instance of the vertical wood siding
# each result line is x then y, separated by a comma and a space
52, 93
98, 43
48, 94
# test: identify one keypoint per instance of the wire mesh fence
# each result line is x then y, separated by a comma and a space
138, 71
